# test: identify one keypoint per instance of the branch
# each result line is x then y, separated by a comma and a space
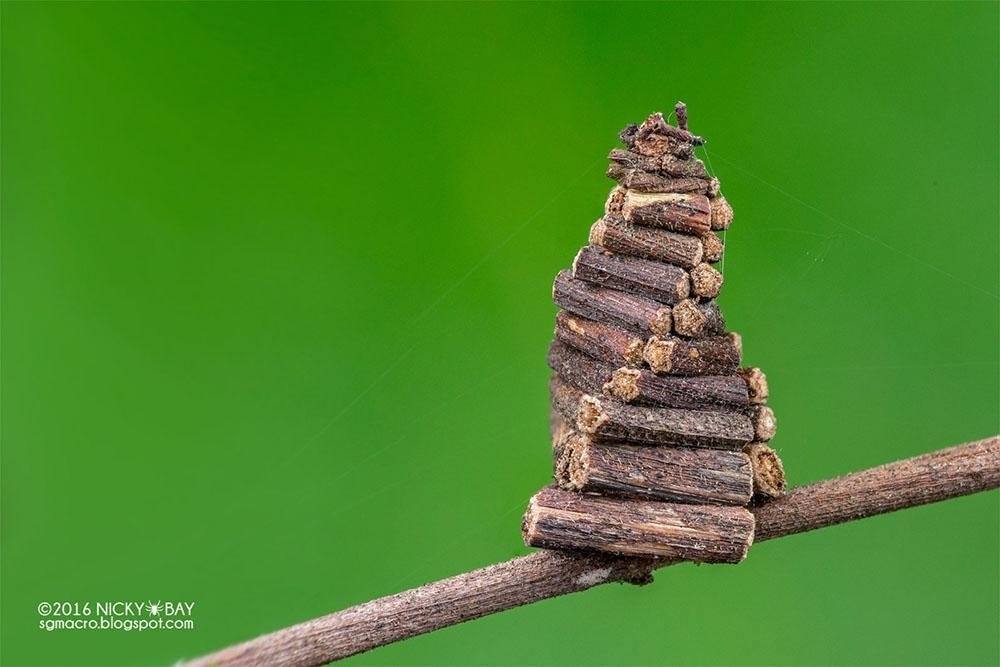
929, 478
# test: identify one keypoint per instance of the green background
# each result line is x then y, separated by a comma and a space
276, 301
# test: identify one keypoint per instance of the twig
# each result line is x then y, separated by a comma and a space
940, 475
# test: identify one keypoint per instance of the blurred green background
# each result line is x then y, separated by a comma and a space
276, 298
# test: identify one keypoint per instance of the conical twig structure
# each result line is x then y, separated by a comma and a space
659, 437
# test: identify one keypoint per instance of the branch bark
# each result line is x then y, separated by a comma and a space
929, 478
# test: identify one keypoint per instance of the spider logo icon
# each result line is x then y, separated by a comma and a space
154, 608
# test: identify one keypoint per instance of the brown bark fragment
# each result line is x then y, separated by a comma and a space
695, 320
661, 282
678, 474
630, 311
614, 234
688, 213
609, 420
558, 519
601, 341
718, 355
706, 281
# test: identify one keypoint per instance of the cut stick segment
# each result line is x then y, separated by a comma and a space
560, 430
706, 281
756, 384
718, 355
689, 213
601, 341
722, 213
616, 198
764, 423
661, 282
702, 533
614, 234
696, 320
564, 399
679, 474
768, 472
633, 312
664, 165
712, 247
609, 420
644, 181
632, 385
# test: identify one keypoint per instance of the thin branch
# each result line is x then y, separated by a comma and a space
940, 475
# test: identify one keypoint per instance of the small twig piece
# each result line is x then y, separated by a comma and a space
688, 213
768, 472
929, 478
756, 384
644, 181
706, 281
718, 355
632, 385
601, 341
665, 165
712, 247
558, 519
765, 424
722, 213
661, 282
609, 420
695, 319
678, 474
632, 312
614, 234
